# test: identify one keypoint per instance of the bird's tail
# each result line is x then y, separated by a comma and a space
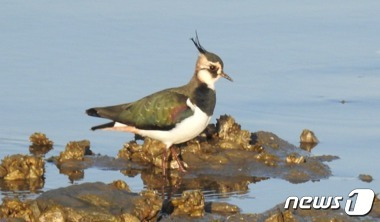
108, 112
93, 112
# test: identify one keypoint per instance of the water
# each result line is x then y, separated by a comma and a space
292, 62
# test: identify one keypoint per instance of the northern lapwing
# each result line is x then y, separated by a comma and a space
173, 115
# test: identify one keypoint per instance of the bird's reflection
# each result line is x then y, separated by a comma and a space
175, 182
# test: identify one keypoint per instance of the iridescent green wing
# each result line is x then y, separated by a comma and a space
162, 110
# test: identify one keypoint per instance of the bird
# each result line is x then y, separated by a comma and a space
174, 115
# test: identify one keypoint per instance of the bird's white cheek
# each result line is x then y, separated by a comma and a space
205, 76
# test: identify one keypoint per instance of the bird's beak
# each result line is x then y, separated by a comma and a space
224, 75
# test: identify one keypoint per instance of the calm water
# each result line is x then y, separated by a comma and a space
292, 64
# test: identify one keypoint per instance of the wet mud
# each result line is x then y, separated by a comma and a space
89, 202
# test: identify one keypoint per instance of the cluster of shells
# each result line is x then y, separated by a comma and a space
40, 144
20, 167
191, 203
75, 150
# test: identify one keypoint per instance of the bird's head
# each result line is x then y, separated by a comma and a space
209, 67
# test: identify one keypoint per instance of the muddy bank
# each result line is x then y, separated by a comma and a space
89, 201
224, 159
222, 151
115, 202
110, 202
225, 149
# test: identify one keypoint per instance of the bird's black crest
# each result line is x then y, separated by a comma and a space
198, 44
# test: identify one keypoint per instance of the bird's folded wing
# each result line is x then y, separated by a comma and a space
162, 110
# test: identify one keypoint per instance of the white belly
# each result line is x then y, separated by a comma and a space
183, 131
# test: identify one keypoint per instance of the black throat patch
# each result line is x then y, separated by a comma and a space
205, 99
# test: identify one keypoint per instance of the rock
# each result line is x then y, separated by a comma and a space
294, 158
308, 140
269, 140
281, 216
147, 206
75, 150
53, 214
221, 208
22, 167
129, 149
149, 153
278, 213
365, 178
129, 218
267, 158
308, 136
86, 202
121, 185
191, 203
375, 212
324, 215
244, 218
14, 208
40, 144
231, 135
72, 161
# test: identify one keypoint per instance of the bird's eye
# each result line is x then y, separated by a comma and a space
212, 67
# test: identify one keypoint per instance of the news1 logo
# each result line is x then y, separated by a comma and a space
360, 207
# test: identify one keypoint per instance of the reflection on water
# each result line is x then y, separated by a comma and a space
39, 150
218, 185
174, 184
22, 186
72, 174
308, 146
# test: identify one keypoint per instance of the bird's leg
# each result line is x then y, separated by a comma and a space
164, 162
175, 155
